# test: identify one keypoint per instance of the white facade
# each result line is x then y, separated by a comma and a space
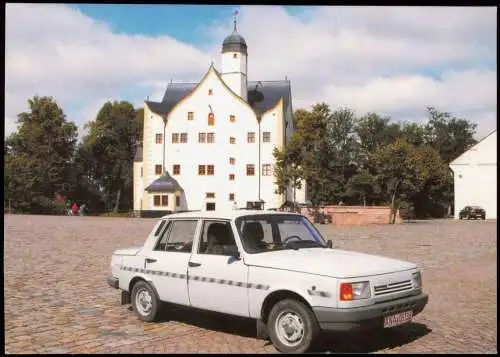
223, 95
234, 72
475, 177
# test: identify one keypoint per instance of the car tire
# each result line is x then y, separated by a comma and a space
145, 302
302, 326
262, 330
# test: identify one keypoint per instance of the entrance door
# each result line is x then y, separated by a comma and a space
216, 279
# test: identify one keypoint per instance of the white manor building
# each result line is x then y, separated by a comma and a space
475, 177
209, 145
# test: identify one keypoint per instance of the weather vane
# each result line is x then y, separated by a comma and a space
235, 14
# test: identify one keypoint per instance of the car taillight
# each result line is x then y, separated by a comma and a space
345, 292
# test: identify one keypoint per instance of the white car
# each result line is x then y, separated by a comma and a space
273, 267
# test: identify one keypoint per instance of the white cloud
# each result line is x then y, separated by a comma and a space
373, 59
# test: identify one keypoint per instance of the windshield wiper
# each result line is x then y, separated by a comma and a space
312, 244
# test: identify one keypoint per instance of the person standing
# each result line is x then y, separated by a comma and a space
74, 209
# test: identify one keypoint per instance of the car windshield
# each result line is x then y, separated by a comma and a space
261, 233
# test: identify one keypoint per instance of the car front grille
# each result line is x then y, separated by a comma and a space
391, 288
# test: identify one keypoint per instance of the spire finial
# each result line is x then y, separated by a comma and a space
235, 13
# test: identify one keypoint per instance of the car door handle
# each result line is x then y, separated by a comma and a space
150, 260
193, 264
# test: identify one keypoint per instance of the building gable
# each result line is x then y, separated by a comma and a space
483, 153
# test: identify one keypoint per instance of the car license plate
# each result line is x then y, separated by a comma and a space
398, 319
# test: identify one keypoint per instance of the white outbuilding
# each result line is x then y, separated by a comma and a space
209, 145
475, 177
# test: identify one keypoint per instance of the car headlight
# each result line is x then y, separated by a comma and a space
416, 280
355, 291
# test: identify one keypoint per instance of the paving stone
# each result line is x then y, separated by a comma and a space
65, 306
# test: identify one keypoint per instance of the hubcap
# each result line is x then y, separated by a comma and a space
289, 328
144, 302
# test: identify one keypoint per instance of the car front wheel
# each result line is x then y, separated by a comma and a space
145, 303
292, 326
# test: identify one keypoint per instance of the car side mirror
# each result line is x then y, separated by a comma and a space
329, 243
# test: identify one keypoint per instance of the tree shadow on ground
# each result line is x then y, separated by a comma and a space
362, 342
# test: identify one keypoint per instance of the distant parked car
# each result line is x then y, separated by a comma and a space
469, 212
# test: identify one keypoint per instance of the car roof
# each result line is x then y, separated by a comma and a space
229, 214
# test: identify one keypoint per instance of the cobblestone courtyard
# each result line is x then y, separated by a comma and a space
56, 299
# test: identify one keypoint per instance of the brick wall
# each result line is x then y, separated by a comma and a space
356, 215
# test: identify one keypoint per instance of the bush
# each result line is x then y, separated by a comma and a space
406, 211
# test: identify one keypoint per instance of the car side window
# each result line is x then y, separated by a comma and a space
178, 237
217, 239
160, 226
161, 243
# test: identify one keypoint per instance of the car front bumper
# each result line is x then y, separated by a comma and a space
366, 317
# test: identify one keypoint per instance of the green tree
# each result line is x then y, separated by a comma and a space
139, 124
363, 186
111, 142
449, 135
39, 156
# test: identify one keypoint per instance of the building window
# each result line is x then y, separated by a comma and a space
250, 170
266, 170
210, 92
210, 138
202, 137
266, 137
177, 201
210, 195
190, 115
158, 170
175, 138
250, 137
231, 177
158, 138
210, 170
201, 170
231, 161
184, 138
231, 197
232, 140
164, 200
235, 55
211, 119
177, 169
232, 118
156, 200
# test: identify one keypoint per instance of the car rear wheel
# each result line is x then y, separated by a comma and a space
145, 303
292, 326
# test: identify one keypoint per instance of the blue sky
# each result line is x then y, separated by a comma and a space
179, 21
395, 61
